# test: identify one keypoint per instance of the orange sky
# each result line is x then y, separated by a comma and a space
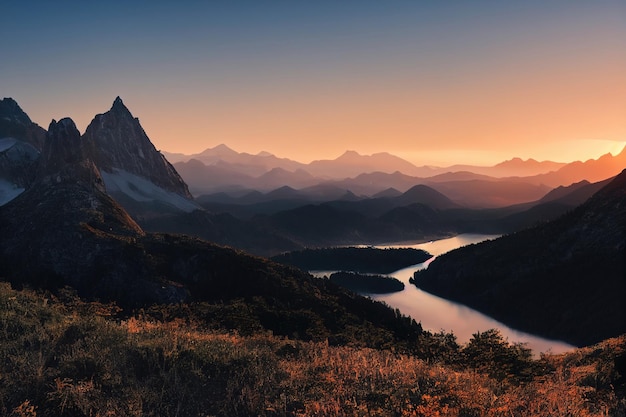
436, 83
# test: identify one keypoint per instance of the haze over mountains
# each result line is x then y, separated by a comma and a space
222, 170
269, 204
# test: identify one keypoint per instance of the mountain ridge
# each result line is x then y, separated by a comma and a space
514, 167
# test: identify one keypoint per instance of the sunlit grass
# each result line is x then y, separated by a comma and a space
70, 358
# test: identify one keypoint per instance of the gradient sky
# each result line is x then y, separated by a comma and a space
435, 82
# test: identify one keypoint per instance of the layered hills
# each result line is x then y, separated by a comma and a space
563, 279
222, 169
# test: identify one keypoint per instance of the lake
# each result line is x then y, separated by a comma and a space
436, 313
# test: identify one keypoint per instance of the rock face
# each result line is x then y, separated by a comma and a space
118, 142
18, 161
563, 279
14, 123
20, 142
65, 229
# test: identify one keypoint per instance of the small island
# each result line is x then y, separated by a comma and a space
356, 259
363, 283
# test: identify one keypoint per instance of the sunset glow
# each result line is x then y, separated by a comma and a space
437, 83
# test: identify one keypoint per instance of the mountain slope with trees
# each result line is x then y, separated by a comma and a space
563, 279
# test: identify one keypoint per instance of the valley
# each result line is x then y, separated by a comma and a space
144, 252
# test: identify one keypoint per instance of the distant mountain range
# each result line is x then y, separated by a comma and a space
222, 170
351, 164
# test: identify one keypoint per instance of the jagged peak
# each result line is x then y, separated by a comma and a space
117, 140
62, 140
119, 107
64, 157
10, 108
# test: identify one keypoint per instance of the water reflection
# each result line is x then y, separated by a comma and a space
437, 314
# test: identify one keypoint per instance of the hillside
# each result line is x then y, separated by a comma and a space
566, 276
63, 357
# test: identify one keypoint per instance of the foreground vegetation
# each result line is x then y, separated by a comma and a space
64, 357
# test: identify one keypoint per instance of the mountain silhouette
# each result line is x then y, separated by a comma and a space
592, 170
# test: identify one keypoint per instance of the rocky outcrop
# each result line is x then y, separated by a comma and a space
118, 142
20, 142
14, 123
65, 229
18, 161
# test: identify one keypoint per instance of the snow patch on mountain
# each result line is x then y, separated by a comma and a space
8, 191
6, 143
143, 190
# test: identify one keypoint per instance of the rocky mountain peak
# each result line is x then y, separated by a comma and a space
15, 123
63, 144
119, 143
64, 157
120, 109
10, 110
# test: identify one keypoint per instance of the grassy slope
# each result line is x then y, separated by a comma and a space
70, 358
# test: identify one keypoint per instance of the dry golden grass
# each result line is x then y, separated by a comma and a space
68, 361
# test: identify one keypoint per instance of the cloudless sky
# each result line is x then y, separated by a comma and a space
435, 82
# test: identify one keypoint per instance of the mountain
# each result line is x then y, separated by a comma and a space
225, 177
207, 179
563, 279
243, 163
574, 194
592, 170
415, 214
422, 194
351, 164
375, 207
279, 177
134, 172
492, 193
16, 124
132, 169
17, 162
65, 230
515, 167
20, 143
389, 192
320, 225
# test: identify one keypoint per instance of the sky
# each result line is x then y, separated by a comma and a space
434, 82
